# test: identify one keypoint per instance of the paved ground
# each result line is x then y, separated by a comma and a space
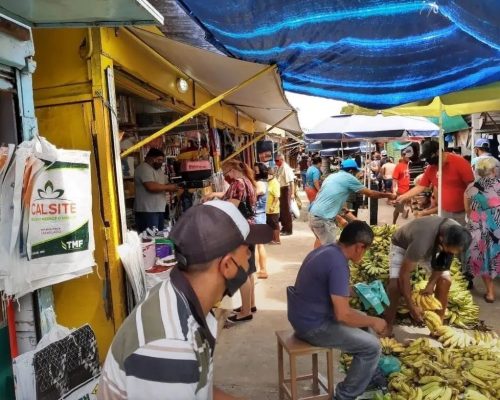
246, 356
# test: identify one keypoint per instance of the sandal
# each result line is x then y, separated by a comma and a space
253, 309
262, 275
487, 300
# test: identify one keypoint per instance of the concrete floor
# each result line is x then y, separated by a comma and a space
246, 355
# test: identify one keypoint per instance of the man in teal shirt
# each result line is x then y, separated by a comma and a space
331, 198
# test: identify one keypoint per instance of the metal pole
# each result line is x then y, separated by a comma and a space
198, 110
256, 139
440, 169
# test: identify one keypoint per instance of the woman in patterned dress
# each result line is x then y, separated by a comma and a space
482, 205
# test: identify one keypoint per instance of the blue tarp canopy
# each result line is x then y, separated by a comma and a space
374, 53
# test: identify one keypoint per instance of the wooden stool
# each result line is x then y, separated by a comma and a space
295, 348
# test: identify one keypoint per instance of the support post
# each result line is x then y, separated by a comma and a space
196, 111
440, 169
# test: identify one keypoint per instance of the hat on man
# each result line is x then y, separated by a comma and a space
428, 149
383, 152
349, 164
213, 229
482, 143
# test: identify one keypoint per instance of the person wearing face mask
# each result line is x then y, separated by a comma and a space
457, 175
482, 150
150, 187
165, 347
401, 183
430, 242
320, 314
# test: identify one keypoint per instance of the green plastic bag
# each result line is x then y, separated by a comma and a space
372, 295
389, 365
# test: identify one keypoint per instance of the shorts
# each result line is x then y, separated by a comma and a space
456, 216
324, 229
388, 185
396, 255
273, 220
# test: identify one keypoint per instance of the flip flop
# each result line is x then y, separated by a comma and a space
253, 309
488, 300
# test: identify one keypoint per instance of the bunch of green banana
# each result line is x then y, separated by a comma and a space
487, 339
426, 302
471, 394
391, 346
380, 396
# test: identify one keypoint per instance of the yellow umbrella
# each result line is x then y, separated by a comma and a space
470, 101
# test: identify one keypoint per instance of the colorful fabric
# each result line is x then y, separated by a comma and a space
457, 174
484, 226
243, 191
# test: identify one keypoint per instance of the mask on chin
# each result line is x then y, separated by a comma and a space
233, 284
157, 166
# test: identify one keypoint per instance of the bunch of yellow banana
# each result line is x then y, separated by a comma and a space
391, 346
452, 338
401, 388
435, 390
478, 352
426, 302
487, 339
432, 321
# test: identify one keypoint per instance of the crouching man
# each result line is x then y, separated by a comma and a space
319, 311
430, 242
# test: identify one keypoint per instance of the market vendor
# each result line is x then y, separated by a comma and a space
150, 187
319, 310
430, 242
331, 198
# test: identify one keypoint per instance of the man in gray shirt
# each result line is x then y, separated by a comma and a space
430, 242
150, 187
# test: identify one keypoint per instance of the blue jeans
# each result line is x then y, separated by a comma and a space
364, 346
145, 220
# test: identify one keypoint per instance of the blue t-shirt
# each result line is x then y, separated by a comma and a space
334, 193
313, 174
324, 272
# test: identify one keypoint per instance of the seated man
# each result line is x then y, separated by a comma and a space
431, 242
164, 349
319, 311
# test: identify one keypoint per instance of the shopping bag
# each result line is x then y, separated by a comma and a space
372, 295
294, 208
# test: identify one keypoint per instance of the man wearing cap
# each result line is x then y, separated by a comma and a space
457, 175
482, 150
330, 200
401, 183
286, 178
164, 349
150, 187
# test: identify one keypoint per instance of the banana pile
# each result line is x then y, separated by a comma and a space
435, 373
426, 302
391, 346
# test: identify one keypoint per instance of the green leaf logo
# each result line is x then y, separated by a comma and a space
49, 193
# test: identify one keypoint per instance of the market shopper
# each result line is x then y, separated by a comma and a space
482, 205
457, 175
430, 242
401, 184
286, 178
331, 198
482, 150
313, 179
320, 314
386, 172
150, 187
164, 349
261, 172
273, 205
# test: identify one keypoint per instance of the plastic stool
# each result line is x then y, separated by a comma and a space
295, 348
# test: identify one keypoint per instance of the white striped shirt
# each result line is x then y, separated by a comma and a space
164, 349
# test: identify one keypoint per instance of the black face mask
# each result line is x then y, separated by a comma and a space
233, 284
433, 160
157, 166
441, 261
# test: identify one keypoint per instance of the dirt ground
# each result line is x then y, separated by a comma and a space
246, 354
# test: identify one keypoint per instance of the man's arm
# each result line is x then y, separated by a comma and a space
467, 204
155, 187
375, 194
353, 318
411, 193
317, 184
404, 281
429, 289
220, 395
